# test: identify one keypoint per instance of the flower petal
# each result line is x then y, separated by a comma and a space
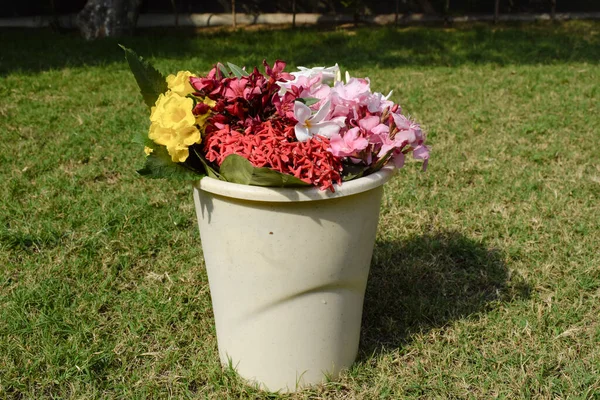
322, 113
302, 133
398, 160
421, 153
405, 137
368, 123
301, 112
326, 129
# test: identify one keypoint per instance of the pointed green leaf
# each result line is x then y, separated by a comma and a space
160, 165
237, 71
236, 169
209, 170
308, 101
151, 82
222, 69
268, 177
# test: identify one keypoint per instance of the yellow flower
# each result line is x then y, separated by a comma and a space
209, 102
173, 111
201, 119
148, 150
176, 141
173, 125
180, 84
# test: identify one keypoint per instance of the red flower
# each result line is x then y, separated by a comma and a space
249, 119
272, 144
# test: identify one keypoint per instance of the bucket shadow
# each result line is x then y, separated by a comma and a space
428, 281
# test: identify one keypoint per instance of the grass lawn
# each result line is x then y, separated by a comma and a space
485, 281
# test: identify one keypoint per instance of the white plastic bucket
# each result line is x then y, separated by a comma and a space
287, 270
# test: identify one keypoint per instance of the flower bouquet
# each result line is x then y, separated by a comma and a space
307, 127
287, 264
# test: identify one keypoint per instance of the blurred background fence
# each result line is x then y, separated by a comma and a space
13, 8
102, 18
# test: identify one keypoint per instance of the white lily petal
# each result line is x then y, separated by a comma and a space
326, 129
301, 112
322, 113
347, 76
302, 133
388, 95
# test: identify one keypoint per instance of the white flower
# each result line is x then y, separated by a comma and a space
309, 125
329, 73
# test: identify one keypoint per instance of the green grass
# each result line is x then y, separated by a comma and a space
485, 280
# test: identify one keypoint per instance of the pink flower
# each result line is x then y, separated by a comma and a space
347, 145
351, 94
403, 138
408, 132
381, 138
422, 153
276, 73
377, 102
235, 88
402, 123
398, 160
368, 123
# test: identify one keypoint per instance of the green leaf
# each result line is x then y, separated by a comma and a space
150, 81
160, 165
268, 177
353, 171
237, 169
237, 71
142, 138
308, 101
209, 170
222, 69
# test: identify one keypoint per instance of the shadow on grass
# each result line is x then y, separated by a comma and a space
31, 51
428, 281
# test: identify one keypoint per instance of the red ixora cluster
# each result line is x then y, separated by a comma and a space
273, 145
246, 122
